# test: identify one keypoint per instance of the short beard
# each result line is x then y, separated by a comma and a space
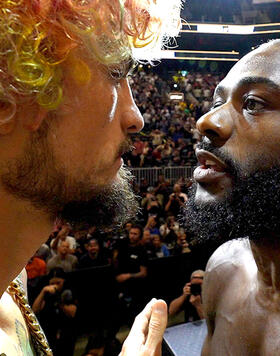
251, 210
36, 177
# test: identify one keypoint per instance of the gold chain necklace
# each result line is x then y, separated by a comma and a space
39, 339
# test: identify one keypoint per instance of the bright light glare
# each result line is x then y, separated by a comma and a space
176, 96
235, 29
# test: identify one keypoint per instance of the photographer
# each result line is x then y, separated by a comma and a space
56, 311
176, 200
190, 301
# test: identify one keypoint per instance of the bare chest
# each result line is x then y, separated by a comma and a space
245, 328
14, 336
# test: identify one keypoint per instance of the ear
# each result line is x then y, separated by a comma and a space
34, 119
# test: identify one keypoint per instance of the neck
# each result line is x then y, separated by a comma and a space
22, 231
266, 253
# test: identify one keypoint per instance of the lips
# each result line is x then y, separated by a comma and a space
211, 167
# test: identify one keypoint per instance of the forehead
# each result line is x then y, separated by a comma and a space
263, 62
64, 244
134, 230
56, 280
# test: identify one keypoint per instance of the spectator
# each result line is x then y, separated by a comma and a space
35, 267
190, 301
94, 256
44, 252
152, 225
176, 200
82, 238
181, 245
169, 225
146, 242
56, 310
63, 235
150, 204
130, 261
157, 137
161, 249
63, 259
161, 190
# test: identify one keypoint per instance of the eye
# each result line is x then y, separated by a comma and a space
115, 76
253, 105
216, 104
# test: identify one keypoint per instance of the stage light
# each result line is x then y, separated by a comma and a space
176, 96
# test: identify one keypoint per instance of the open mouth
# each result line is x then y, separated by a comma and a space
211, 167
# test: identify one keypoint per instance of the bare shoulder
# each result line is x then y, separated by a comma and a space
230, 255
230, 264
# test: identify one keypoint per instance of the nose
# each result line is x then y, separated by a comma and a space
217, 125
131, 118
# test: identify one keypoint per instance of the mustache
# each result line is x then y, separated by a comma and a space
233, 167
125, 146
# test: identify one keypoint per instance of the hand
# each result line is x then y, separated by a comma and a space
147, 331
195, 300
187, 289
123, 277
69, 310
50, 289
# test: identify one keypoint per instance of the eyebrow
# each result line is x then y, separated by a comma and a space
259, 80
270, 84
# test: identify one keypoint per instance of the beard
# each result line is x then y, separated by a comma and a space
38, 178
251, 209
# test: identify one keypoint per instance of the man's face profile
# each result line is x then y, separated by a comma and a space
72, 165
66, 108
237, 190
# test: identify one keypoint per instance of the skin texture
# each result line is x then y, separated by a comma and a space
14, 337
241, 288
147, 331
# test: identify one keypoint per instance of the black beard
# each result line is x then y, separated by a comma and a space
251, 210
36, 177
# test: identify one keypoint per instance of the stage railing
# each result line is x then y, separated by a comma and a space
170, 173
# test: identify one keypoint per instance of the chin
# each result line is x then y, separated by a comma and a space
210, 194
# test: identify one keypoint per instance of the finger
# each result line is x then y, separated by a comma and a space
141, 322
157, 325
137, 336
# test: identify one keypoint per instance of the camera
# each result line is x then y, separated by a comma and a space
196, 289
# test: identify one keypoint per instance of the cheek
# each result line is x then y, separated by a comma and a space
257, 146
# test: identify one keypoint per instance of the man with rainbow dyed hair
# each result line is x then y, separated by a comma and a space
66, 115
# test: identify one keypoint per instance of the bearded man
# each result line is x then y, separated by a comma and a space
236, 200
66, 114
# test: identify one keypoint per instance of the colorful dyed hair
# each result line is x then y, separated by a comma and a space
36, 36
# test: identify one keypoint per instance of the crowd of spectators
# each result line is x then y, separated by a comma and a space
230, 11
169, 136
157, 234
168, 139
